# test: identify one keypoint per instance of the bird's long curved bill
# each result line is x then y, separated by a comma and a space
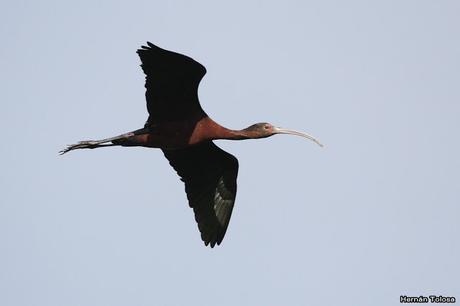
279, 130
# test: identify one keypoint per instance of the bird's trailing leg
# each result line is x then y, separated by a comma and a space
93, 144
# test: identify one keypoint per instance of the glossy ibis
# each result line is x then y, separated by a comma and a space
181, 129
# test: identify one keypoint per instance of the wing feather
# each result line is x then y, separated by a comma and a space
171, 84
209, 174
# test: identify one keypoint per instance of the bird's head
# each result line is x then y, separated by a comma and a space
264, 129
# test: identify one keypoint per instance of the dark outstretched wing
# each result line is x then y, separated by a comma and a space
209, 174
172, 81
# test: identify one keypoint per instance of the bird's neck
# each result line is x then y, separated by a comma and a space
229, 134
216, 131
237, 135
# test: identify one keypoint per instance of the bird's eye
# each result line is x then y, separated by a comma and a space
266, 127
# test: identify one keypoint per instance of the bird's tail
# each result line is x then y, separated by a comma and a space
86, 144
107, 142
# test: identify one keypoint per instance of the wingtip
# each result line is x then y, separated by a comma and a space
211, 243
149, 46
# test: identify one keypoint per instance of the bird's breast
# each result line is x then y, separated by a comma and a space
174, 135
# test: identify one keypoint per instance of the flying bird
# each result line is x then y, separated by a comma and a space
184, 132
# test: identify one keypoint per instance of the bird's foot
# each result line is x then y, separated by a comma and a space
87, 144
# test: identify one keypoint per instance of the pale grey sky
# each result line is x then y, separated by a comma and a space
372, 216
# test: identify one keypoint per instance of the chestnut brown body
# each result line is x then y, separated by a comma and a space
177, 134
